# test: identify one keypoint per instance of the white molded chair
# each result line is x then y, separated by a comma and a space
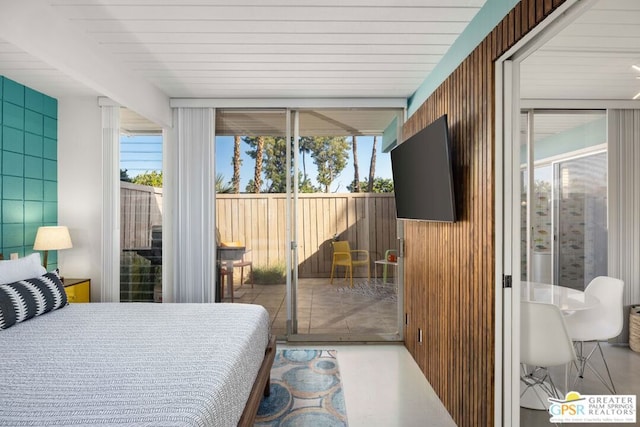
598, 324
544, 342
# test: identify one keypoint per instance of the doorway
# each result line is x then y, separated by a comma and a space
564, 196
290, 183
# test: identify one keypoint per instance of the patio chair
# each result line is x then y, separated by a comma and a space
344, 256
241, 263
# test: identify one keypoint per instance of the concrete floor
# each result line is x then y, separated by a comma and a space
324, 308
384, 387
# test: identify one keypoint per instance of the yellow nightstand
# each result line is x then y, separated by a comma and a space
78, 290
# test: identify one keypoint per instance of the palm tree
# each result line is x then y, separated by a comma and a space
237, 161
372, 165
257, 177
356, 174
221, 186
304, 146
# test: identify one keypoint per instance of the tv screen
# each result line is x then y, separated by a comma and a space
422, 175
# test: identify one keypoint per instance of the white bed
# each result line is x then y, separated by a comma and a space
132, 364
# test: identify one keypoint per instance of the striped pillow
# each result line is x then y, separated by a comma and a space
20, 301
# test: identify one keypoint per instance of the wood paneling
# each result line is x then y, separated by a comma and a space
449, 268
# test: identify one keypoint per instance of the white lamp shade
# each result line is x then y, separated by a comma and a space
52, 238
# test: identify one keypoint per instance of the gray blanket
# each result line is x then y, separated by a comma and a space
132, 364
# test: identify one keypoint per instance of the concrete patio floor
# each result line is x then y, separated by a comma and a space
323, 308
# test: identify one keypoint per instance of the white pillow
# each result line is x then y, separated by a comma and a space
13, 270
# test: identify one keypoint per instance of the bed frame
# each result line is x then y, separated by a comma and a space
260, 386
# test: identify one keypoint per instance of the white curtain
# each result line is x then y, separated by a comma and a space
624, 204
110, 289
189, 207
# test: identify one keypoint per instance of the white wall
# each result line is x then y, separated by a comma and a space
80, 188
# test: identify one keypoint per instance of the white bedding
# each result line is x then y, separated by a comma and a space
132, 364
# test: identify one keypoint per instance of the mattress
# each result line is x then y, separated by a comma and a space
132, 364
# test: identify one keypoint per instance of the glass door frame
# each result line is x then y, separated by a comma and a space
292, 230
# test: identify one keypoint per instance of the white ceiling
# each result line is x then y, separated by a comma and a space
589, 59
303, 48
257, 48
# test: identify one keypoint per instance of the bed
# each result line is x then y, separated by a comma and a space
135, 364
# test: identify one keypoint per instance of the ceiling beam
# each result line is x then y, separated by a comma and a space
288, 102
35, 27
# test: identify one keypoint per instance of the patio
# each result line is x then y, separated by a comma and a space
323, 308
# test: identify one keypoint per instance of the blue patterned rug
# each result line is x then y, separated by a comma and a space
306, 390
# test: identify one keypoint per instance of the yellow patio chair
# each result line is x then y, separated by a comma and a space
344, 256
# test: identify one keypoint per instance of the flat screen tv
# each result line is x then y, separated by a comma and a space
423, 177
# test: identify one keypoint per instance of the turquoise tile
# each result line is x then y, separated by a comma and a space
50, 150
12, 115
1, 111
12, 139
50, 213
50, 106
50, 129
33, 167
50, 191
30, 231
12, 235
33, 144
50, 170
33, 100
12, 211
33, 122
13, 92
1, 84
12, 164
33, 212
34, 189
12, 188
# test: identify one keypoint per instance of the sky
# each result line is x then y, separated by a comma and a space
143, 153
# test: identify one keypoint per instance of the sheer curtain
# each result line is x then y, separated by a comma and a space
110, 290
624, 204
189, 208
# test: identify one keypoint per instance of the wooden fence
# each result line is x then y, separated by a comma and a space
140, 207
366, 220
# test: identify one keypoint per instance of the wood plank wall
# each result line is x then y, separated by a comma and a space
449, 268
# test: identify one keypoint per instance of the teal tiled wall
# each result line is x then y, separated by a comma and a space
28, 166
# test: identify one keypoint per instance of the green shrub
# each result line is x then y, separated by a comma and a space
269, 275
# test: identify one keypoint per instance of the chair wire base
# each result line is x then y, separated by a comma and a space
539, 377
583, 362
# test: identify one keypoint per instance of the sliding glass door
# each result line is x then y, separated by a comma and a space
345, 254
251, 204
564, 197
580, 218
292, 186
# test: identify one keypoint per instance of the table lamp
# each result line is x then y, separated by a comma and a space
52, 238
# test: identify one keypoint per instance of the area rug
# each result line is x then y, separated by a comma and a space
372, 289
306, 390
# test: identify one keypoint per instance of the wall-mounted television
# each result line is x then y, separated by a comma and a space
423, 176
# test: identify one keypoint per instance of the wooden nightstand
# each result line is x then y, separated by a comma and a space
78, 290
